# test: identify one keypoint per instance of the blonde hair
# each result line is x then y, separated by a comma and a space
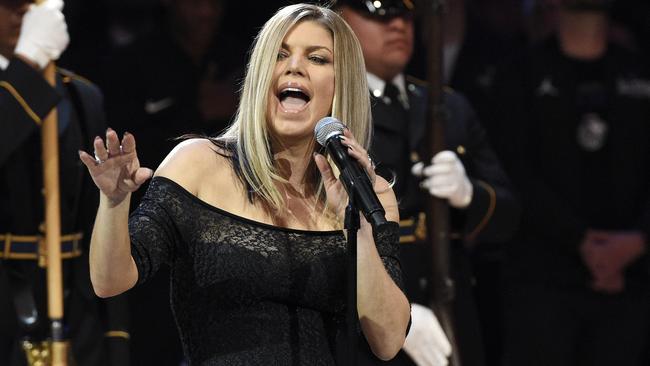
249, 132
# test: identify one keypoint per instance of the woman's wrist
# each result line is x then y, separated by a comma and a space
113, 202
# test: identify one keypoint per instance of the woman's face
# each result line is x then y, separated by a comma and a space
302, 89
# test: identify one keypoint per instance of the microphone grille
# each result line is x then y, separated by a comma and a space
326, 128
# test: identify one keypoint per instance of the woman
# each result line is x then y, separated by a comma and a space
250, 222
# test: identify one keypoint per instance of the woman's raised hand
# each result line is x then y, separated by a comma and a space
115, 169
337, 198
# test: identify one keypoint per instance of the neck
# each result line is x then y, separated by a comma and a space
293, 165
386, 75
583, 35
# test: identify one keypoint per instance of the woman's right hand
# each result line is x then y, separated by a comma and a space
115, 169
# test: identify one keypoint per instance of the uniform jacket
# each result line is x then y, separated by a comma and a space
557, 108
25, 100
492, 215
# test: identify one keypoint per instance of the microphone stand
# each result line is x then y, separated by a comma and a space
352, 224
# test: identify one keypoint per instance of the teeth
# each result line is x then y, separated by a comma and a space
292, 90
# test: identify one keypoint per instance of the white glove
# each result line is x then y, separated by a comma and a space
44, 33
446, 178
426, 343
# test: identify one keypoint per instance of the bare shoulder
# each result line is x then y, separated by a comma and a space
387, 197
188, 163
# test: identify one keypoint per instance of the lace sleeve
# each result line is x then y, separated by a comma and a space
153, 231
387, 242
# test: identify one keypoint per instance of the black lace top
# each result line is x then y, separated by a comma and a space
244, 292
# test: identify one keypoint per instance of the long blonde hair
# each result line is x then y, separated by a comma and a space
249, 133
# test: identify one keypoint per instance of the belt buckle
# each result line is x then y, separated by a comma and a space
7, 246
42, 252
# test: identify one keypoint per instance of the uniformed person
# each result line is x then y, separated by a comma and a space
30, 37
576, 123
467, 174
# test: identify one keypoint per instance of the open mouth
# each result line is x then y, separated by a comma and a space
293, 99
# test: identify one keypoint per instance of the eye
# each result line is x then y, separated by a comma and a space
319, 60
282, 55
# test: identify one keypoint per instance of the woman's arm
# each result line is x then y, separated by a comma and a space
112, 269
117, 173
383, 308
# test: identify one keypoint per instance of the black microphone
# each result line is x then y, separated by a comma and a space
355, 180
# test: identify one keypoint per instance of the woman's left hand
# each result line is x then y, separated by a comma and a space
337, 198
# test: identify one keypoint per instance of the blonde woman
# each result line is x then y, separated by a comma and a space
251, 222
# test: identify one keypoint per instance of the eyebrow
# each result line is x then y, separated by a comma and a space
310, 48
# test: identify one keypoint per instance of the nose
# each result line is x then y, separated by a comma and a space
399, 22
295, 65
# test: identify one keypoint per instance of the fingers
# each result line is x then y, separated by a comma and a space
141, 175
325, 169
132, 184
426, 343
439, 169
112, 143
53, 4
443, 162
441, 185
113, 148
128, 143
358, 153
417, 169
88, 160
445, 156
101, 154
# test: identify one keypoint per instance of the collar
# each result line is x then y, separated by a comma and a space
4, 63
377, 86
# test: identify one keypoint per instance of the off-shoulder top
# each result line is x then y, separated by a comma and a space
245, 292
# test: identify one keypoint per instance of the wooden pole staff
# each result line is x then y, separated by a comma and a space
50, 147
442, 293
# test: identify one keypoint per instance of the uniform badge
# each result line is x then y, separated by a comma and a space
592, 132
546, 88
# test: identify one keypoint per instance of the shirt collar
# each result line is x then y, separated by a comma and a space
377, 86
4, 63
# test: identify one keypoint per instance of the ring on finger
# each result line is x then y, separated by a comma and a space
98, 160
372, 163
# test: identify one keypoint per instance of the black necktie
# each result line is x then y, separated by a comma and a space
392, 93
395, 104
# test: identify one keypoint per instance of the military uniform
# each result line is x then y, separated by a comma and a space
398, 143
97, 328
578, 133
